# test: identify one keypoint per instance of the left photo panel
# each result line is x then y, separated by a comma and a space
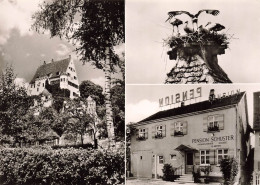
62, 92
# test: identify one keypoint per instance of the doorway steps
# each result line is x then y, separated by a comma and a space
185, 178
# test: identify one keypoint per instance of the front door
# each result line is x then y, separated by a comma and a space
189, 162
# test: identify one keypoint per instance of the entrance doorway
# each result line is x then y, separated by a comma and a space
189, 162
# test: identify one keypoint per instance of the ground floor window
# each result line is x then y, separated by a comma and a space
222, 154
160, 159
204, 157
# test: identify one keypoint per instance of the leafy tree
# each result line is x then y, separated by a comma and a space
88, 88
95, 26
80, 122
14, 104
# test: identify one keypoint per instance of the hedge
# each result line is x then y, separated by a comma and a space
43, 166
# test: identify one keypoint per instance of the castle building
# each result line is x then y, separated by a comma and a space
192, 137
61, 73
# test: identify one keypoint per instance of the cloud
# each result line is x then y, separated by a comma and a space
16, 14
141, 110
100, 81
63, 50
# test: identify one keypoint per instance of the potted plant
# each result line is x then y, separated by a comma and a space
206, 170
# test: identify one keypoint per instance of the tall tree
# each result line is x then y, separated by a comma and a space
96, 26
88, 88
14, 104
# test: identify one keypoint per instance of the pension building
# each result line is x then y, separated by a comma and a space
191, 137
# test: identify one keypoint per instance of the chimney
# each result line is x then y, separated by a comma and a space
52, 60
44, 62
212, 95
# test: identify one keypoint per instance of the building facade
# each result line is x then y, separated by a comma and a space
193, 136
62, 73
256, 173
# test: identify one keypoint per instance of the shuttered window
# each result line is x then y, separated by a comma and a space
142, 134
179, 128
159, 131
213, 123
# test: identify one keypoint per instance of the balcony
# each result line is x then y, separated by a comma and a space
213, 129
158, 136
141, 138
178, 133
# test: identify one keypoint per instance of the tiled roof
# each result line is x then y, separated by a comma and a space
204, 105
54, 69
196, 72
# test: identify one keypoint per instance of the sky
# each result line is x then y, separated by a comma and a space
26, 50
147, 61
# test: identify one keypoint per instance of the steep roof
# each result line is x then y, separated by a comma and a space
54, 69
200, 106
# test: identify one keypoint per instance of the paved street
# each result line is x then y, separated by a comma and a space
157, 182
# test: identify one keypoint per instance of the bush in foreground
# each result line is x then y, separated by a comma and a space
61, 166
168, 172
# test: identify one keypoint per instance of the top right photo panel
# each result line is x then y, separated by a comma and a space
190, 42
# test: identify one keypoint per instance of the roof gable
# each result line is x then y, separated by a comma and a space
200, 106
53, 69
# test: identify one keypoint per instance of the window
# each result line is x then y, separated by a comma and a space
222, 154
204, 157
37, 89
178, 128
43, 84
61, 79
173, 157
213, 123
68, 74
58, 73
159, 130
160, 159
142, 135
75, 78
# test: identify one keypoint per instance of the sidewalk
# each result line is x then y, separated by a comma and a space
157, 182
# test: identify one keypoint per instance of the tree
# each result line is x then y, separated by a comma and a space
80, 121
14, 104
229, 169
88, 88
95, 26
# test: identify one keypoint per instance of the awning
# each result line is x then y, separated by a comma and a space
185, 148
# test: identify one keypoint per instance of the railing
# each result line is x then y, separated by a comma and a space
178, 171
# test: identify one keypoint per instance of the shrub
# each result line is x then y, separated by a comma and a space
168, 172
229, 169
196, 176
61, 166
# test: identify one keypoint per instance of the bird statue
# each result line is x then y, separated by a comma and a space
194, 18
176, 23
203, 30
216, 27
187, 29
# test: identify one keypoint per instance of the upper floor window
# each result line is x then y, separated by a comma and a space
75, 78
204, 157
222, 154
43, 84
213, 123
159, 131
179, 128
142, 134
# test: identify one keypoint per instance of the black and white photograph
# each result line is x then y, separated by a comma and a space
187, 42
195, 134
62, 92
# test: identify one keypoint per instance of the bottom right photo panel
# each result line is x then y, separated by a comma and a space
181, 134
